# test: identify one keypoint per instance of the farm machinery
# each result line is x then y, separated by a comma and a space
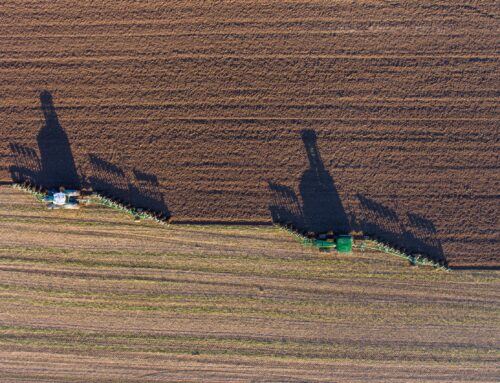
73, 199
62, 199
55, 199
342, 243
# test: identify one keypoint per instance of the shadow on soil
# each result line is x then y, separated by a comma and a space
320, 208
137, 189
56, 165
413, 233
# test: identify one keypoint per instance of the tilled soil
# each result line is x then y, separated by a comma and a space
91, 296
373, 116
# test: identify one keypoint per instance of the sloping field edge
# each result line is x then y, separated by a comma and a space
138, 214
367, 243
373, 244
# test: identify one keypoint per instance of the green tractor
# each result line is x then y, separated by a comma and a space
342, 243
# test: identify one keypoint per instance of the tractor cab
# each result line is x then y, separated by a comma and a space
62, 198
344, 243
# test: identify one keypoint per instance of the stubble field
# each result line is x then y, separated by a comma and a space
209, 112
91, 296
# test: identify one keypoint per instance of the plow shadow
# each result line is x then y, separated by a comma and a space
136, 188
413, 233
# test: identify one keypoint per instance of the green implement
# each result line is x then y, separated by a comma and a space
320, 244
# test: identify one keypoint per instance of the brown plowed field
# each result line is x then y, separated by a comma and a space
91, 296
197, 109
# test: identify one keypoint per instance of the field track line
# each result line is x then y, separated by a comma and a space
79, 59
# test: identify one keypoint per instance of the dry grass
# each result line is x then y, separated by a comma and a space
91, 296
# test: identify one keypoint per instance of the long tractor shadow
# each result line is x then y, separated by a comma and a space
55, 166
319, 209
